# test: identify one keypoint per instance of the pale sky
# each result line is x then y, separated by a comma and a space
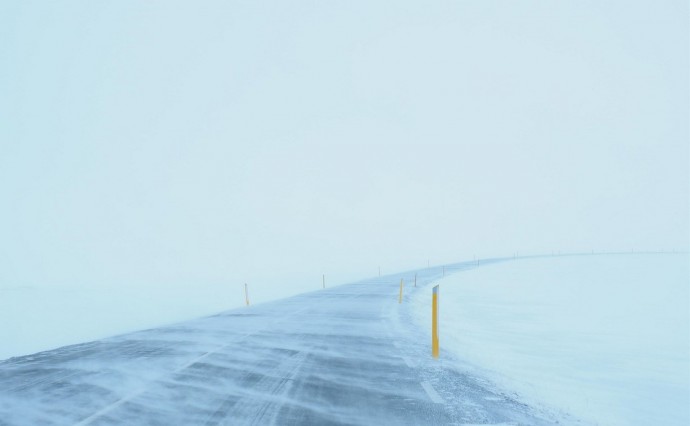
156, 143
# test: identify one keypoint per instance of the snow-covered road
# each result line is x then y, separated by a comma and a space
345, 355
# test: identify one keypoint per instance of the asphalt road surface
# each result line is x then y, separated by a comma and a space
350, 354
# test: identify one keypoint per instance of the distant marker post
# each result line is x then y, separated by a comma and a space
401, 291
323, 280
434, 323
246, 294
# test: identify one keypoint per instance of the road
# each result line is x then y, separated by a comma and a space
350, 354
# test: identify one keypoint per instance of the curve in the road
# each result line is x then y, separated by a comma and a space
345, 355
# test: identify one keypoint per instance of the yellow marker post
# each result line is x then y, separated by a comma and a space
401, 291
434, 323
246, 294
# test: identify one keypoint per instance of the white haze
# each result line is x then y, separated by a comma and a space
169, 144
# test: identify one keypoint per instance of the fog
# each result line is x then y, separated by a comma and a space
181, 144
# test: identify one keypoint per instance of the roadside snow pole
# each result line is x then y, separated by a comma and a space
246, 294
323, 280
415, 279
434, 323
401, 291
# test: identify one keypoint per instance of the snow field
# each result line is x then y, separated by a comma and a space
605, 338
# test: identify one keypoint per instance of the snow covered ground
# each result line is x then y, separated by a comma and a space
34, 319
605, 338
344, 355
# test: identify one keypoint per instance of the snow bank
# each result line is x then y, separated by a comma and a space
605, 338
